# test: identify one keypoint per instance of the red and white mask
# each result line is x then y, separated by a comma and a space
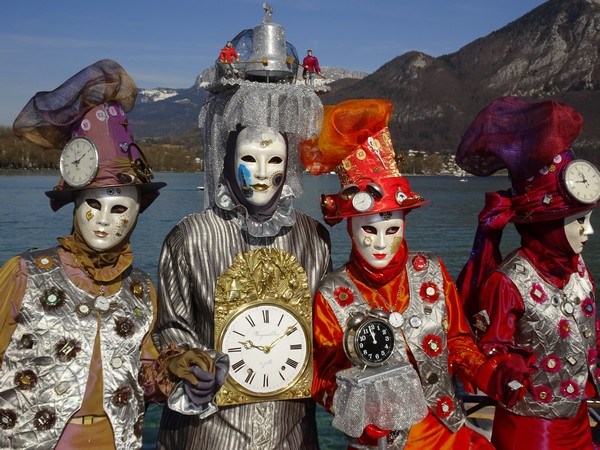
260, 161
377, 237
105, 216
578, 229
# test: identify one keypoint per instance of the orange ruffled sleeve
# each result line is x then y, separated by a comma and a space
464, 356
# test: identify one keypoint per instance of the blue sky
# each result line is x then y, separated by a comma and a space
167, 44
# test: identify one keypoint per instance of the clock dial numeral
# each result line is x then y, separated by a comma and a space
250, 321
265, 315
280, 319
265, 380
250, 377
234, 350
238, 365
295, 346
290, 362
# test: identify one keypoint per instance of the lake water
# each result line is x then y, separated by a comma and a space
445, 226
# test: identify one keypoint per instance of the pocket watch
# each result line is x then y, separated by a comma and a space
581, 179
268, 348
79, 162
369, 338
363, 201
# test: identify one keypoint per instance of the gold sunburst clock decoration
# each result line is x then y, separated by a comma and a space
263, 321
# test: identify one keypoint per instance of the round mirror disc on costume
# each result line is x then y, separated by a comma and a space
582, 181
79, 162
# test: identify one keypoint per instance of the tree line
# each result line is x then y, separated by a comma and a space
185, 153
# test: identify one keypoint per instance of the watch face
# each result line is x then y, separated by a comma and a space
79, 162
362, 201
268, 349
374, 342
582, 181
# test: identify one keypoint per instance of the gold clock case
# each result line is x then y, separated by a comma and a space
258, 277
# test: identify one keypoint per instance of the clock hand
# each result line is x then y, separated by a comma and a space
289, 330
249, 344
373, 335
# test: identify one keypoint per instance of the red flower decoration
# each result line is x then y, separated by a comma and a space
569, 389
429, 292
592, 357
538, 294
551, 363
564, 329
588, 307
432, 345
444, 407
543, 394
419, 262
343, 295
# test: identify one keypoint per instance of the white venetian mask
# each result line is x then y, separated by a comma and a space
378, 236
578, 228
260, 157
106, 215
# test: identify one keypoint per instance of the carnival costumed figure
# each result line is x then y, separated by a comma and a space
413, 288
535, 311
238, 278
78, 362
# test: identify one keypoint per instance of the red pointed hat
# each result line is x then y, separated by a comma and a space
533, 141
356, 142
89, 110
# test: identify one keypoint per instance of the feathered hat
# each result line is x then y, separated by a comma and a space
356, 142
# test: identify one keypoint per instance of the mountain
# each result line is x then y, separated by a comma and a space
164, 112
551, 52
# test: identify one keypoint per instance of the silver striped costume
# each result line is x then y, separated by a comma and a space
199, 249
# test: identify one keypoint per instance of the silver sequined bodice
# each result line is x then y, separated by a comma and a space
46, 366
559, 327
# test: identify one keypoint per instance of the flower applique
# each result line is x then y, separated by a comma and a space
8, 419
588, 307
569, 389
121, 396
429, 292
343, 295
432, 345
538, 294
564, 328
551, 363
419, 262
444, 406
52, 298
543, 394
44, 419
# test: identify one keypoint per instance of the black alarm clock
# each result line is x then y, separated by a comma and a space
369, 338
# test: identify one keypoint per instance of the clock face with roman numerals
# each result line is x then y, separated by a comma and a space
268, 348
